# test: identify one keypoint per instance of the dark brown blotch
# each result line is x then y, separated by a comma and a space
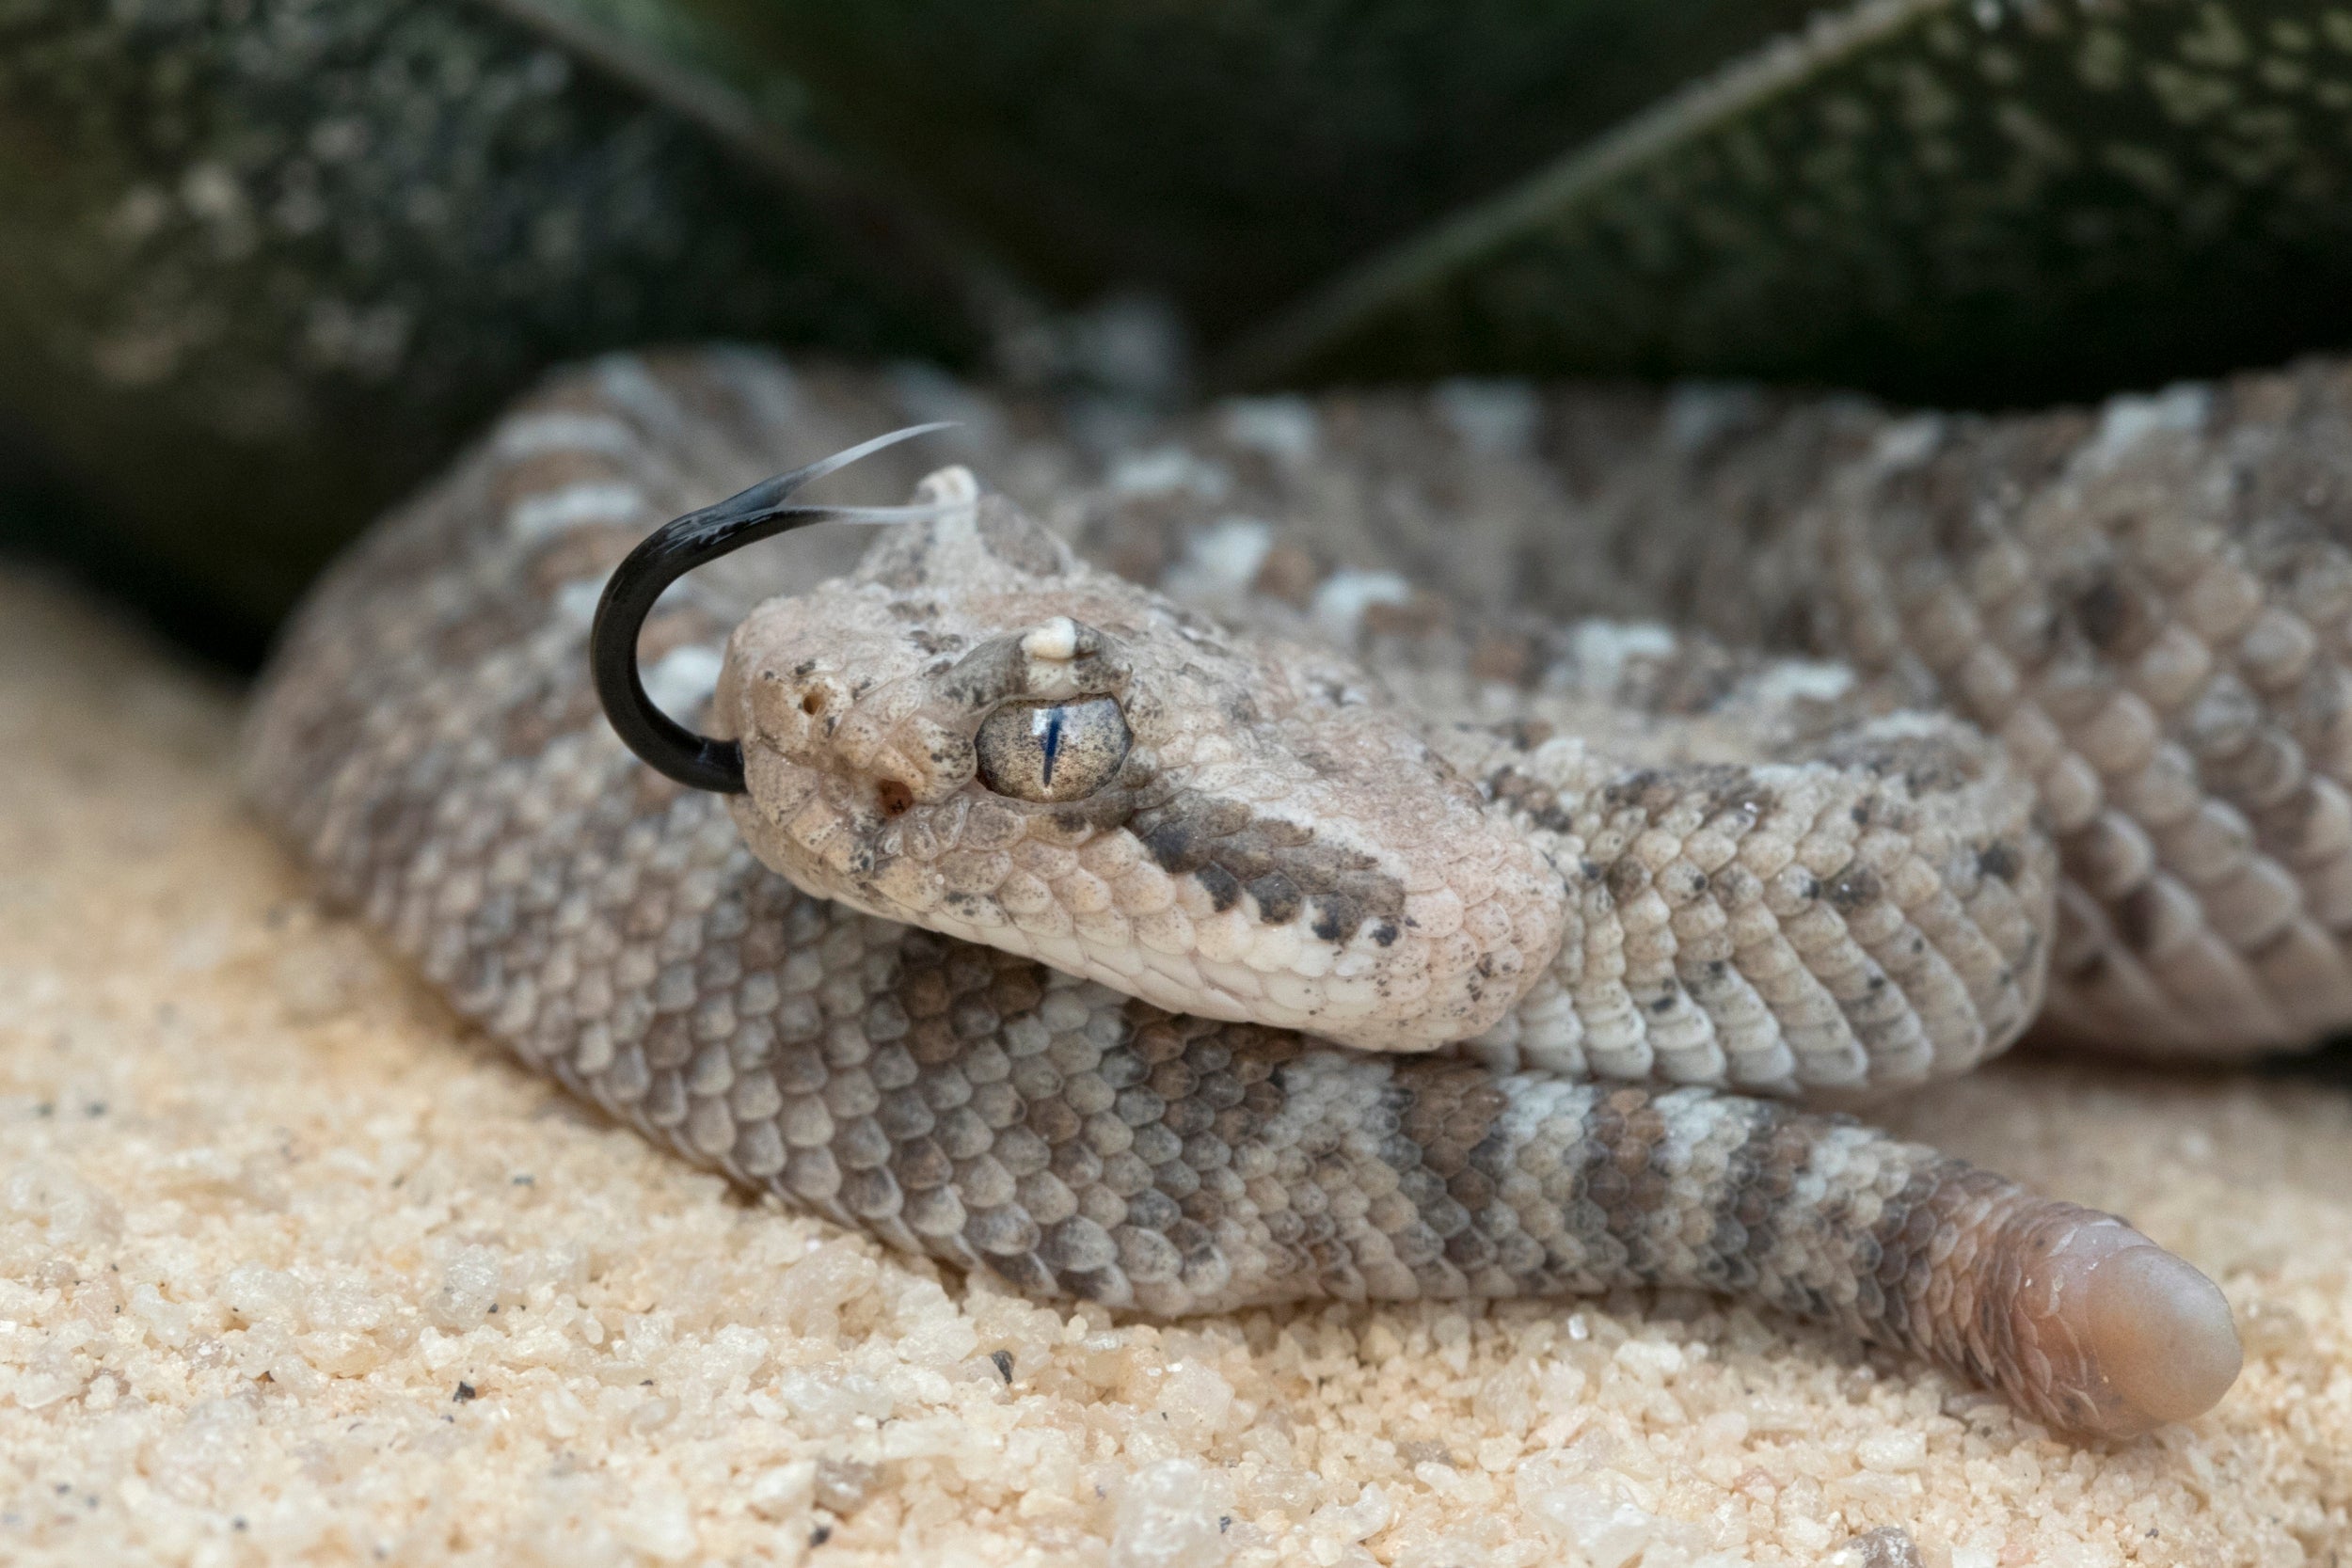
1539, 803
1283, 865
1855, 888
1277, 898
2115, 615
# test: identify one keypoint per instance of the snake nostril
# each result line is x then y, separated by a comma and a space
811, 703
894, 798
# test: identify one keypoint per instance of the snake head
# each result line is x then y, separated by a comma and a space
978, 733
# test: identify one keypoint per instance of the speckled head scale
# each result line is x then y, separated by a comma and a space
668, 554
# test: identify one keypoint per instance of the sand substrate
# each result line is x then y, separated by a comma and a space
292, 1269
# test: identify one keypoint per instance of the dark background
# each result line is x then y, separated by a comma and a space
266, 262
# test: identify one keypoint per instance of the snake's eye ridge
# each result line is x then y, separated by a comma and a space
1048, 751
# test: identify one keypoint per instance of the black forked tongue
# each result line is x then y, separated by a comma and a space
669, 553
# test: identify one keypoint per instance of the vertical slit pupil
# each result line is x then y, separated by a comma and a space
1052, 739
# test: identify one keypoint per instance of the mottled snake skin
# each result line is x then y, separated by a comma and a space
1772, 873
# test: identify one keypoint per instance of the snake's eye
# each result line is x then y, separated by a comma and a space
1048, 751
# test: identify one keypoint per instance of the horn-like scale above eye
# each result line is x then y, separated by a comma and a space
1049, 751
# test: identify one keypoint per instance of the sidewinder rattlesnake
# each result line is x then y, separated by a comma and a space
1083, 882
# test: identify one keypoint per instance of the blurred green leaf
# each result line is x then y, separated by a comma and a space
1229, 153
269, 259
1981, 202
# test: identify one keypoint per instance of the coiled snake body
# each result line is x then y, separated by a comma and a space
1080, 885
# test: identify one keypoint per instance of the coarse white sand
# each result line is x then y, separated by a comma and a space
294, 1270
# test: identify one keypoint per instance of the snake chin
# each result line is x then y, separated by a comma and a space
1253, 832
